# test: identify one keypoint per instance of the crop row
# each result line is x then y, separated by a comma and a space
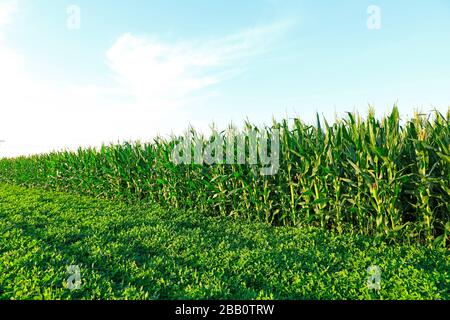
371, 176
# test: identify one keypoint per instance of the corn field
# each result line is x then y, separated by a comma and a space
370, 176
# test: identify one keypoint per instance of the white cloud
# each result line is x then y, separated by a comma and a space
154, 72
157, 73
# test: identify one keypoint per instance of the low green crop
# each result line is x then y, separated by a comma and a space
370, 176
145, 252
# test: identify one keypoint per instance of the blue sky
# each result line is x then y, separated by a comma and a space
137, 68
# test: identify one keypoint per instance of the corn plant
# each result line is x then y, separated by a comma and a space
360, 175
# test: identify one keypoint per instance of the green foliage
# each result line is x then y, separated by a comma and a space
143, 252
365, 176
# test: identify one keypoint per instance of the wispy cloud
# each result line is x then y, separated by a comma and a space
159, 73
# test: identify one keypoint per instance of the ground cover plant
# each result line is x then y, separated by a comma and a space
142, 251
377, 177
